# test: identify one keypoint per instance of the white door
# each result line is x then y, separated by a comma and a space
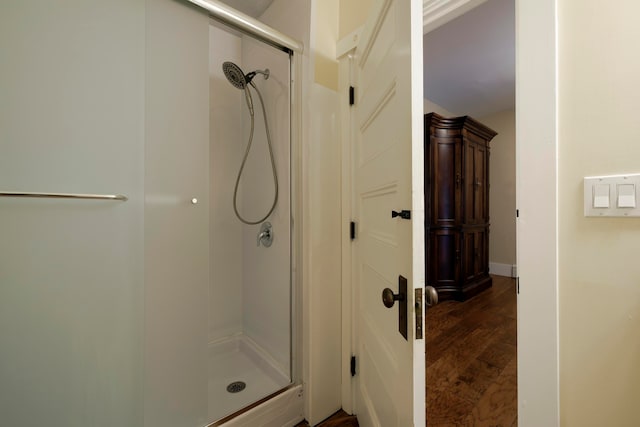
388, 176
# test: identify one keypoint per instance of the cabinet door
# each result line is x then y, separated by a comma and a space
443, 258
476, 206
446, 185
481, 184
475, 253
480, 261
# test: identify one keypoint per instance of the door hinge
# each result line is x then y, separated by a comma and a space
517, 285
352, 95
352, 230
517, 213
353, 366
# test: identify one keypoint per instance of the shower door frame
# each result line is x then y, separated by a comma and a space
247, 25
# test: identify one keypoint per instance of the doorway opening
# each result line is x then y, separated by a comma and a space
471, 336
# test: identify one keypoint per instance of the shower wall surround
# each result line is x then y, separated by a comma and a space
250, 284
227, 145
266, 283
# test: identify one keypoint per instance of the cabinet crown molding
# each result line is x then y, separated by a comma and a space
462, 122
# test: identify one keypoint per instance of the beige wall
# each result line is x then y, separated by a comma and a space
502, 193
333, 20
432, 107
599, 272
324, 36
353, 14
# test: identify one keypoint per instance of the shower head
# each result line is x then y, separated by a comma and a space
236, 76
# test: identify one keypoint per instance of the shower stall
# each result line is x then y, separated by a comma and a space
250, 305
150, 215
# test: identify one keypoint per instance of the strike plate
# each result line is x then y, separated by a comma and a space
418, 300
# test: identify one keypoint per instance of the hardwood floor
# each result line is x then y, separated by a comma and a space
339, 419
471, 362
471, 359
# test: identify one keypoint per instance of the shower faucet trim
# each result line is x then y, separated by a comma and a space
266, 235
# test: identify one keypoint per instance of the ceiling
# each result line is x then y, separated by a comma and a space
253, 8
469, 63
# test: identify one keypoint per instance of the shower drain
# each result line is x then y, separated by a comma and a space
236, 386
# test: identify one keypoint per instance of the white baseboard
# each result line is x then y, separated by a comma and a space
506, 270
286, 409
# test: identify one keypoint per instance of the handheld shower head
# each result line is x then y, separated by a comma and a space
236, 76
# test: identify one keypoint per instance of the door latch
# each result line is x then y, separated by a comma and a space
418, 300
404, 214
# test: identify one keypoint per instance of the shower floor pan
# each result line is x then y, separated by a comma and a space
233, 362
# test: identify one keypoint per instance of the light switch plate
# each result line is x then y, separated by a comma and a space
622, 194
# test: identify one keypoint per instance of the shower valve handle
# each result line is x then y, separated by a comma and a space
265, 236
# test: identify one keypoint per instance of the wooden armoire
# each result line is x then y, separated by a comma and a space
456, 186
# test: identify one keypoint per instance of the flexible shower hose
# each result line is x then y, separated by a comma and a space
246, 154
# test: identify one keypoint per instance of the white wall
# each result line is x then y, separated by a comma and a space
71, 272
324, 255
536, 198
323, 216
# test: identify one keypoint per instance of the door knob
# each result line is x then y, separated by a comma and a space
389, 298
431, 296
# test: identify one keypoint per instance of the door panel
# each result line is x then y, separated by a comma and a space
388, 175
475, 247
476, 183
447, 163
444, 258
470, 153
480, 184
469, 247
